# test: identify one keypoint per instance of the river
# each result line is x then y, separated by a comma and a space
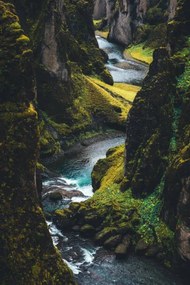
92, 264
122, 69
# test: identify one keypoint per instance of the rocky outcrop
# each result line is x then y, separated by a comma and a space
172, 9
104, 9
125, 20
99, 9
50, 54
27, 252
157, 145
134, 21
148, 136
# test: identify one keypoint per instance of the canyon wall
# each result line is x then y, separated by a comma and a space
134, 21
157, 145
27, 253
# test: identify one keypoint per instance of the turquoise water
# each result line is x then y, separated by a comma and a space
76, 166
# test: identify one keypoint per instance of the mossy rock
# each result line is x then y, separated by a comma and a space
113, 241
106, 77
106, 233
141, 246
87, 230
64, 218
123, 248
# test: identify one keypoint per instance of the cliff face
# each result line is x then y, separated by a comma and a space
99, 9
124, 22
157, 145
27, 252
134, 21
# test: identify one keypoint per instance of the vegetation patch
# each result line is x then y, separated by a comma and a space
139, 52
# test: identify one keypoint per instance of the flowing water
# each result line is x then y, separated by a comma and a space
92, 264
122, 70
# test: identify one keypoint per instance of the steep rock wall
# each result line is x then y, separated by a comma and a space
172, 8
157, 145
129, 21
27, 254
99, 9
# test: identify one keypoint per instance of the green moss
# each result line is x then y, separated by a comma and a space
183, 79
140, 52
23, 39
28, 255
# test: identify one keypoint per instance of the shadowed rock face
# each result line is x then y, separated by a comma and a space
27, 252
99, 9
157, 145
50, 53
172, 8
149, 127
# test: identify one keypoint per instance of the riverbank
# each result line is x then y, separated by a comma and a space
123, 70
139, 52
136, 51
87, 260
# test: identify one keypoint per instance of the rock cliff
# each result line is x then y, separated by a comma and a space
134, 21
27, 254
157, 145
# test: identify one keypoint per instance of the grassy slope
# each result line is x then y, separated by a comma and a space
103, 34
140, 53
126, 91
94, 99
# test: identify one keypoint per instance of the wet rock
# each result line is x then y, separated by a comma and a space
58, 194
54, 196
76, 228
152, 251
87, 230
112, 241
141, 246
64, 218
122, 249
106, 233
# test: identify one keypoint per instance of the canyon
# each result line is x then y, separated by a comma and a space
57, 90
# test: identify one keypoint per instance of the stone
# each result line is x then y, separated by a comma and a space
141, 246
123, 248
87, 230
55, 196
112, 241
105, 234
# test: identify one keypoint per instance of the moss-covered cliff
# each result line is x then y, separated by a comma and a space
27, 254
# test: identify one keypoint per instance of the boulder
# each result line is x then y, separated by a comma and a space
122, 249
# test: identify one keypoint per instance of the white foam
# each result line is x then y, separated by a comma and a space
74, 267
55, 233
79, 199
88, 255
87, 190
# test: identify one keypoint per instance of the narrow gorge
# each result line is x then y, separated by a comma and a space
94, 138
